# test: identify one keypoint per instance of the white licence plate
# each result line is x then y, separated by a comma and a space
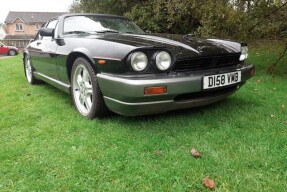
221, 80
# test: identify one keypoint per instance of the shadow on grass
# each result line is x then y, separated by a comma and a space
225, 110
53, 91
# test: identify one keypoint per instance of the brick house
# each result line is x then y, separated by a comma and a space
25, 25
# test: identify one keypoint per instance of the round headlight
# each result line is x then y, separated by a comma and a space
139, 61
163, 60
244, 53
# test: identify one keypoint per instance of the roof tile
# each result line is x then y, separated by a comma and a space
31, 17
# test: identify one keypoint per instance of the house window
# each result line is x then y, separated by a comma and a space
19, 26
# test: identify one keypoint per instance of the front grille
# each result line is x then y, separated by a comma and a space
201, 63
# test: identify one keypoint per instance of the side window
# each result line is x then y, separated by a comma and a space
37, 26
38, 36
52, 24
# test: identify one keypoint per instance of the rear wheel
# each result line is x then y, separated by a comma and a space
29, 71
11, 52
86, 92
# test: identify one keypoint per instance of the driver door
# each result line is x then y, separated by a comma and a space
43, 53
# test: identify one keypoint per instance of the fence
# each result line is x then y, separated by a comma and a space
19, 43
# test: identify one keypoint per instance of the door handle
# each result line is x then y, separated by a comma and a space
38, 43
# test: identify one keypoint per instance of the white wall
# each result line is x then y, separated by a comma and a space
2, 32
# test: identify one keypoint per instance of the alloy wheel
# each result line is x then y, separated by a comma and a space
28, 69
12, 53
83, 90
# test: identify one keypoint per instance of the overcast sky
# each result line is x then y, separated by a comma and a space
33, 5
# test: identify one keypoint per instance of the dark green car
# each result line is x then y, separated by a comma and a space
107, 63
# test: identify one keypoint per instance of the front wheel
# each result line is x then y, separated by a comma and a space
86, 92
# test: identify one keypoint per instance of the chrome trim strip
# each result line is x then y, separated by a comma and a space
141, 103
164, 80
107, 58
53, 80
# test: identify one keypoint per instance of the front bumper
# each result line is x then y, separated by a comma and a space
125, 95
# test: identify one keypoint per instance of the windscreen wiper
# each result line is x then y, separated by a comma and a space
77, 32
107, 31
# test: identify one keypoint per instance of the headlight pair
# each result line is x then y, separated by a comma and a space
244, 53
139, 60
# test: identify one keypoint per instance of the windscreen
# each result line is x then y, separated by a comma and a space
98, 24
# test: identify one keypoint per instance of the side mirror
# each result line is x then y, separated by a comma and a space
46, 32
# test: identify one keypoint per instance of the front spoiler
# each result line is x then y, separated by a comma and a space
125, 95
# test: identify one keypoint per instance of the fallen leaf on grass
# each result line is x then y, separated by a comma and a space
258, 81
272, 116
283, 106
158, 152
195, 153
255, 89
208, 183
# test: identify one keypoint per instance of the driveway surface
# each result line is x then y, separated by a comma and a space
4, 57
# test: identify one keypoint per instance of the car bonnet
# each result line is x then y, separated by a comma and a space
179, 44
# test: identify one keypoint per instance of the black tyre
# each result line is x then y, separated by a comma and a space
29, 71
86, 93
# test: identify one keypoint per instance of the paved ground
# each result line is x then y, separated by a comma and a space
3, 57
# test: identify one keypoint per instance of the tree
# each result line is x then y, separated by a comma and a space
237, 19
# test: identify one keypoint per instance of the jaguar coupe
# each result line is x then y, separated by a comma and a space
107, 63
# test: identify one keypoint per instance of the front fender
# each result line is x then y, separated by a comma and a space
83, 51
71, 57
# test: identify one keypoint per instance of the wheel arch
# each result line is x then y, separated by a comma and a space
81, 52
25, 53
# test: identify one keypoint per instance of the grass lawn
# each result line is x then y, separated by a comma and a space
45, 145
